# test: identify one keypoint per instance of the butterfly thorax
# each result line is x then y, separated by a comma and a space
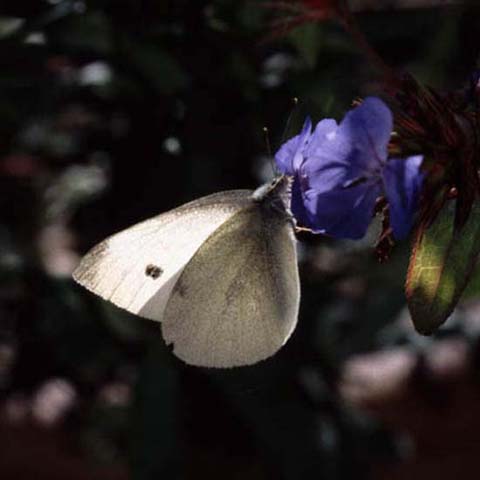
275, 195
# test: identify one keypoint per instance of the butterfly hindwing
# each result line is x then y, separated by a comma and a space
236, 301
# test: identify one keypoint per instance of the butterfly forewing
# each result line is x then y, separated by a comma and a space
137, 268
236, 301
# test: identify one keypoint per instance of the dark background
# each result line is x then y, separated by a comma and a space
114, 111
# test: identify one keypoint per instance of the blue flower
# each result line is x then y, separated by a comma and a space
340, 170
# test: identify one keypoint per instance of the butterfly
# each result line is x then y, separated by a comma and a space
219, 273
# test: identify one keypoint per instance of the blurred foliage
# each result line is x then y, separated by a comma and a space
114, 111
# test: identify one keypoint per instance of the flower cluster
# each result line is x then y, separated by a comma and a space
341, 170
344, 174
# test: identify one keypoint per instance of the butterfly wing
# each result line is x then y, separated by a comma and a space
236, 302
137, 268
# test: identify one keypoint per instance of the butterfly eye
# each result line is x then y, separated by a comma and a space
275, 182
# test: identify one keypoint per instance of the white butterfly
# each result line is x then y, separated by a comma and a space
220, 274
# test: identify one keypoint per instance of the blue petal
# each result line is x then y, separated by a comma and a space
402, 180
357, 149
369, 127
290, 152
324, 131
342, 212
325, 175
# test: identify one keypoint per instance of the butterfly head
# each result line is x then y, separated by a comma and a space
279, 186
276, 194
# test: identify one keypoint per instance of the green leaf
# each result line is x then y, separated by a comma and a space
155, 65
308, 40
441, 265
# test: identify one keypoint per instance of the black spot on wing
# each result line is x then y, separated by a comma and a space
153, 271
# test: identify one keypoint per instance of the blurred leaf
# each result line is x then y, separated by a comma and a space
308, 40
107, 429
242, 17
441, 50
157, 66
243, 72
69, 322
90, 32
265, 395
9, 25
440, 267
124, 325
473, 288
155, 451
251, 16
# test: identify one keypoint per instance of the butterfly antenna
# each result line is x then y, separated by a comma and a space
268, 146
289, 119
284, 134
